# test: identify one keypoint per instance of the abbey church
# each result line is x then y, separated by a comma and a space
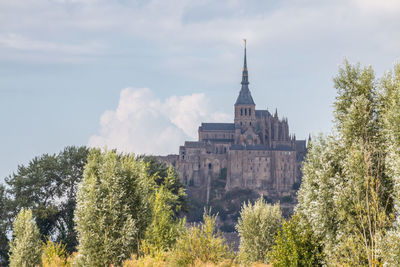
255, 152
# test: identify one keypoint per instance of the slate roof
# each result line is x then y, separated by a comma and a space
191, 144
283, 147
244, 97
260, 147
217, 127
263, 113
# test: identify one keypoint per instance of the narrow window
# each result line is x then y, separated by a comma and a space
241, 112
245, 111
249, 112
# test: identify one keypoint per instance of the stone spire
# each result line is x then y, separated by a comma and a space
244, 97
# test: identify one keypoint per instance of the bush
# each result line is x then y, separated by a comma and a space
25, 248
257, 226
202, 243
296, 246
55, 255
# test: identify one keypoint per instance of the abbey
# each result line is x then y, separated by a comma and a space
254, 152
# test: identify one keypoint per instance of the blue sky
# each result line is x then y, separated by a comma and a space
142, 75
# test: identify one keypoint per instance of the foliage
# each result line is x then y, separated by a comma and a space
200, 242
167, 176
346, 189
112, 208
390, 122
164, 229
55, 255
296, 245
257, 226
25, 248
4, 246
148, 261
47, 186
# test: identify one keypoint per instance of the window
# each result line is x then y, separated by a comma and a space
249, 112
209, 166
241, 112
245, 111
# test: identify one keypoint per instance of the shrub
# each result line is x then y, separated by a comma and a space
25, 248
202, 243
295, 245
145, 261
54, 255
257, 226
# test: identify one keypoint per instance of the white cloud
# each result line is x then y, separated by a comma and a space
142, 123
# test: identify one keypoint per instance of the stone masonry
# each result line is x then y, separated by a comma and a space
255, 152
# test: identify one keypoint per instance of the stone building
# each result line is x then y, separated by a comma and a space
255, 152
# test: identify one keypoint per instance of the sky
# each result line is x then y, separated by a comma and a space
141, 75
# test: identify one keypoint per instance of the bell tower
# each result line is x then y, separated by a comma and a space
245, 114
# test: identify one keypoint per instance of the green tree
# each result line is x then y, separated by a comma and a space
4, 246
164, 228
345, 193
296, 245
257, 226
390, 123
167, 176
26, 247
47, 186
113, 208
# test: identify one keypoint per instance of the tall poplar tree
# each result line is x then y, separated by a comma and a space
390, 123
346, 192
26, 246
112, 208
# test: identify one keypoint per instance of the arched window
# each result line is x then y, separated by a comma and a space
209, 166
245, 111
249, 112
241, 112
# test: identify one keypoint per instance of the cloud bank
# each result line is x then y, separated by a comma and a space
142, 123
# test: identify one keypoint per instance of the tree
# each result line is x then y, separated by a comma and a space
47, 186
4, 246
164, 228
167, 176
296, 245
257, 226
26, 247
345, 193
390, 123
113, 208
